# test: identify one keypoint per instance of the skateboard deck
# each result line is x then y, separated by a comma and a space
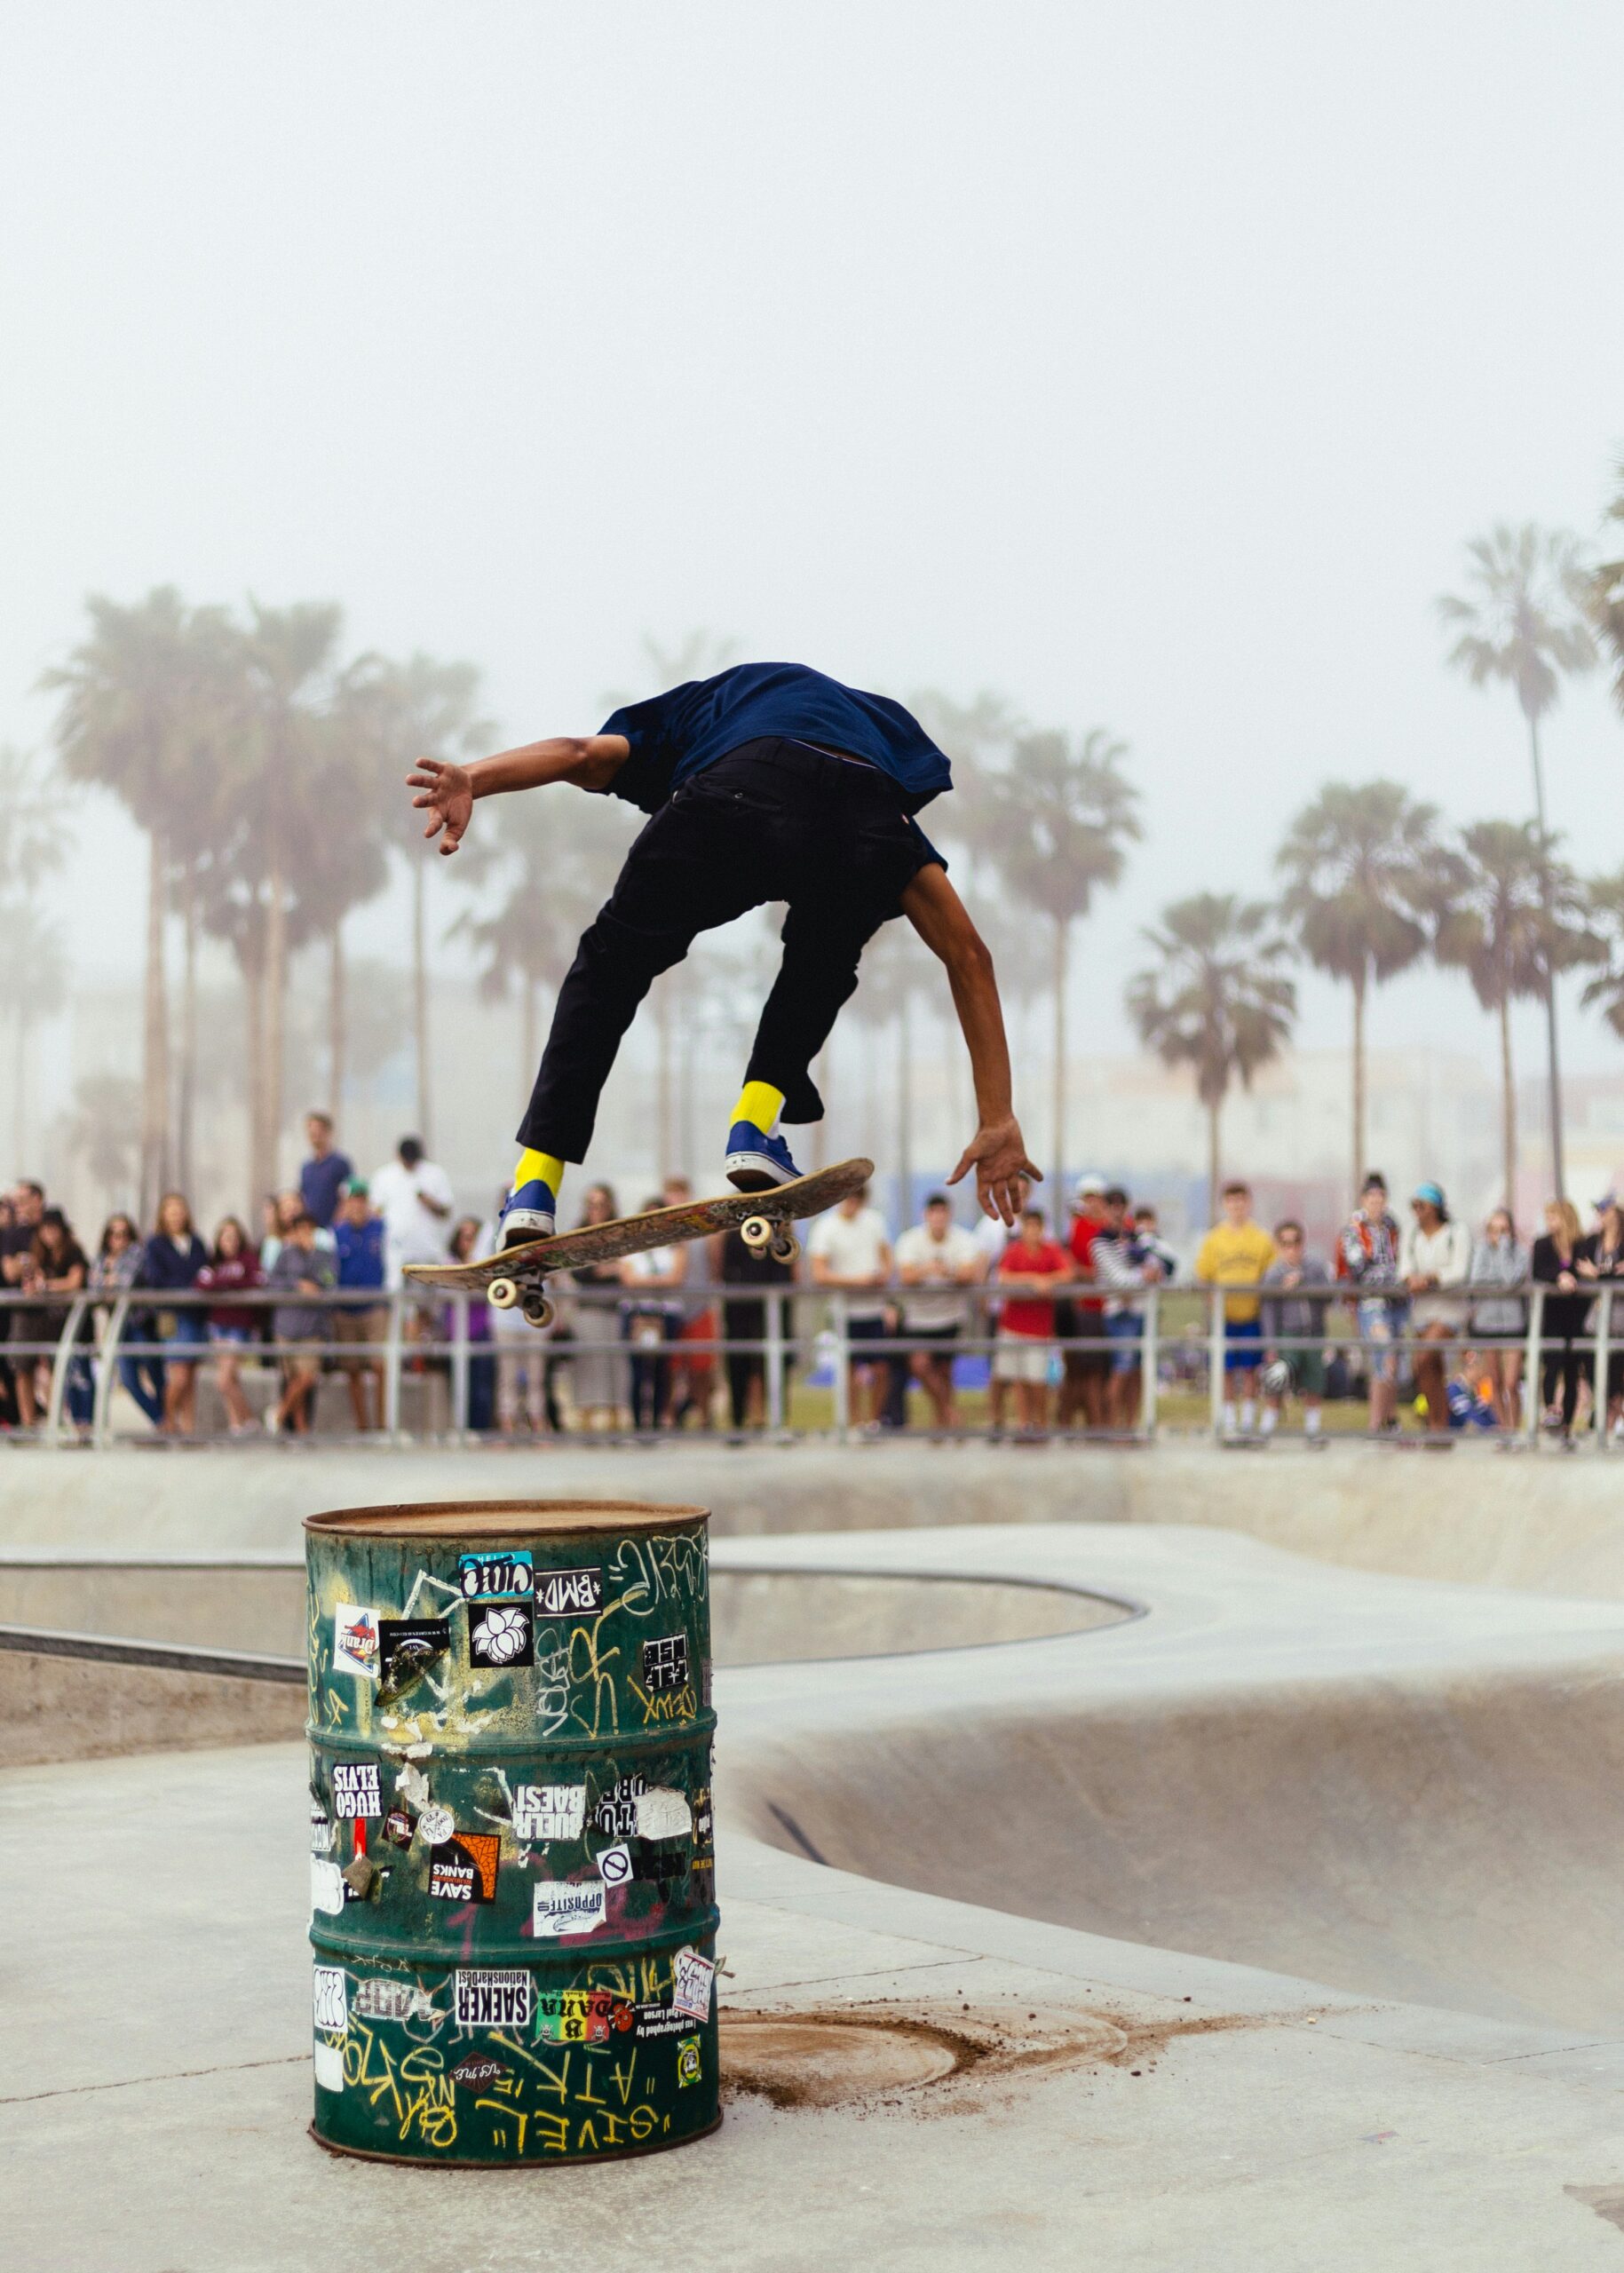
529, 1265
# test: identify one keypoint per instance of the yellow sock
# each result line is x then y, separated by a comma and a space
547, 1166
760, 1104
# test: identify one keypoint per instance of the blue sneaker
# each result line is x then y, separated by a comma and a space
755, 1162
530, 1213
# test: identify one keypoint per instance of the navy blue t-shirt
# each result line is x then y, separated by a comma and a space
321, 1182
679, 733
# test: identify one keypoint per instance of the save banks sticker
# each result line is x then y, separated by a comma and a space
560, 1908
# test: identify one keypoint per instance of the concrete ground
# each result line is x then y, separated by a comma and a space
1040, 1861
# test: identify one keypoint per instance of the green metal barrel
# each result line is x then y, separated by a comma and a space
512, 1869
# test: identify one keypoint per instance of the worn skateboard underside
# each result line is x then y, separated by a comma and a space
809, 1195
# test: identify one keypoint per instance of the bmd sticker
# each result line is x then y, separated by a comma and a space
569, 1593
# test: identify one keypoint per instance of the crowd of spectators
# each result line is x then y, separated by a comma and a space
681, 1335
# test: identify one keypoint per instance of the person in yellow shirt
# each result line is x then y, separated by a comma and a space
1236, 1252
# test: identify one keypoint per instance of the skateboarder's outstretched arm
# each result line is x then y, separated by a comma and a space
446, 792
997, 1152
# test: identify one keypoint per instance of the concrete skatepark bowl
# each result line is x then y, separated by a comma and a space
1128, 1890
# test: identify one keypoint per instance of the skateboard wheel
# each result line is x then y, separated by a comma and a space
756, 1231
538, 1309
502, 1294
785, 1249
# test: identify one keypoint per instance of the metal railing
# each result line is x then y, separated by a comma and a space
97, 1337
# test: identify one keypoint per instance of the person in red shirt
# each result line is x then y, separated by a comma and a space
1086, 1389
1032, 1269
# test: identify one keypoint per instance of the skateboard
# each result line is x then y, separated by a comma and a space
518, 1275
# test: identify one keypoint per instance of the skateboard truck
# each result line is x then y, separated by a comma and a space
505, 1294
759, 1232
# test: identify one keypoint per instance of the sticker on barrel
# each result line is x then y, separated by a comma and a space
496, 1578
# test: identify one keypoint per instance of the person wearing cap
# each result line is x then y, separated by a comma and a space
1435, 1253
934, 1258
1085, 1387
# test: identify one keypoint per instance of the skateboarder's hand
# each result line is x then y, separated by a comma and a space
998, 1153
446, 794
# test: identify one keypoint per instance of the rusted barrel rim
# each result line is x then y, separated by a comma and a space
452, 1520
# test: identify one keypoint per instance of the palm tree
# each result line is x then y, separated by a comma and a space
559, 855
35, 841
1606, 598
1604, 905
895, 973
1217, 1000
1509, 911
126, 724
1525, 623
1361, 891
401, 712
31, 946
1056, 823
102, 1131
289, 655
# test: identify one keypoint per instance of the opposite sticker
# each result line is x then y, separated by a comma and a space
559, 1909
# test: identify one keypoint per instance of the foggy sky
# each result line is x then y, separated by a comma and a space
1148, 364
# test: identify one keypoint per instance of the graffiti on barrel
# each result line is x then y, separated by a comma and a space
512, 1870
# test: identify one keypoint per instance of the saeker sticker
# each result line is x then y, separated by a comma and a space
496, 1578
475, 2074
560, 1908
687, 2061
328, 1986
566, 1594
503, 1635
356, 1792
494, 1996
614, 1865
464, 1870
692, 1976
549, 1810
407, 1647
355, 1641
665, 1663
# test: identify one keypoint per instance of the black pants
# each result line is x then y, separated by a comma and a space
770, 820
1562, 1369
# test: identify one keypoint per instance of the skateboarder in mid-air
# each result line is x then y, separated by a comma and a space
767, 783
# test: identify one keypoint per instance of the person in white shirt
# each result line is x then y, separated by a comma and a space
415, 1199
933, 1259
992, 1238
850, 1254
1434, 1253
